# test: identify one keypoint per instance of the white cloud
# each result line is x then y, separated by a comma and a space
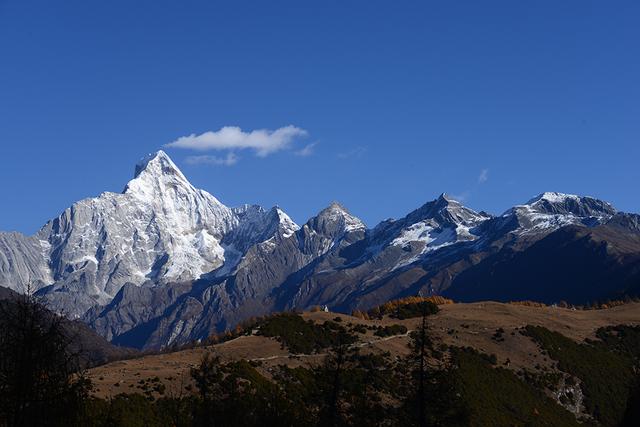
229, 160
355, 152
484, 176
262, 141
306, 151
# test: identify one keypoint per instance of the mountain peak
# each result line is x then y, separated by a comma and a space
445, 210
285, 223
444, 197
158, 162
335, 207
339, 216
553, 197
155, 172
560, 203
551, 210
446, 202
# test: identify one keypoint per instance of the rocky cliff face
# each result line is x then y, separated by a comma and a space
23, 262
159, 229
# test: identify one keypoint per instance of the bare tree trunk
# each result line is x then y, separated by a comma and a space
335, 364
422, 398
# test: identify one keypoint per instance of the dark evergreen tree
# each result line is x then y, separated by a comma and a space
208, 378
41, 383
432, 398
330, 379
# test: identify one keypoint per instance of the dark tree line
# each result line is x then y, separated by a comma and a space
41, 384
350, 388
40, 379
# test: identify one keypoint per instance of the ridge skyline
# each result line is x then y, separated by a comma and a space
162, 234
380, 130
142, 163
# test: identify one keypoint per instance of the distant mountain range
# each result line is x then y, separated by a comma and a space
164, 263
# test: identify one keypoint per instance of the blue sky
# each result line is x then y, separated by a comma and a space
493, 101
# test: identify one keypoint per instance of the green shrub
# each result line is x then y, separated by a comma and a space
622, 339
497, 397
606, 375
360, 329
301, 336
388, 331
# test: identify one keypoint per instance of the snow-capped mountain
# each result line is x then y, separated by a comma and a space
164, 263
549, 211
427, 251
435, 225
255, 284
159, 229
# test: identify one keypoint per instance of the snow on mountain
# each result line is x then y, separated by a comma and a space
446, 223
550, 211
149, 243
334, 260
338, 214
435, 225
439, 223
160, 228
336, 221
257, 225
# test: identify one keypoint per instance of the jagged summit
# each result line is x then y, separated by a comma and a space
156, 173
444, 197
445, 211
159, 229
569, 204
156, 162
337, 206
553, 197
338, 214
436, 224
159, 166
286, 225
551, 210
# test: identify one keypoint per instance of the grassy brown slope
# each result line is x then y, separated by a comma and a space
459, 325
